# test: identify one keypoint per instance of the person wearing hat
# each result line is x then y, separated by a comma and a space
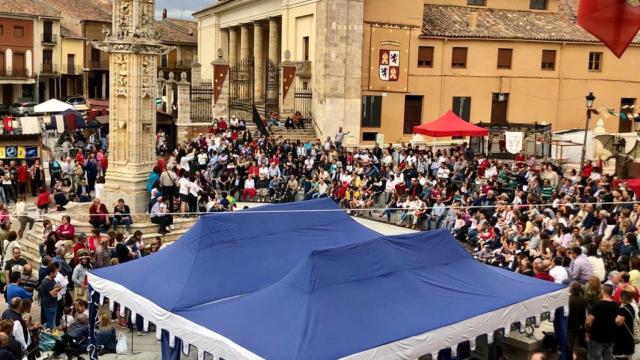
81, 244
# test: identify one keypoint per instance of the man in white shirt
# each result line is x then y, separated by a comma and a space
559, 273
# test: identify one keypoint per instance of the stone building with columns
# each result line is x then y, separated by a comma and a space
308, 46
377, 67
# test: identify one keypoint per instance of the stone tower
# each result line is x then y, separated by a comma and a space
133, 49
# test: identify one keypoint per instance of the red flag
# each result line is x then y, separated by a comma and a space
614, 22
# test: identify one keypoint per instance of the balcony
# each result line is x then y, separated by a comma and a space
99, 64
303, 68
72, 69
13, 73
49, 39
48, 69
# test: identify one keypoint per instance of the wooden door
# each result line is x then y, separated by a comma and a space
412, 113
18, 65
71, 64
499, 108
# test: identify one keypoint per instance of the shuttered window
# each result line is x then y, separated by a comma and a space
459, 58
371, 111
504, 58
425, 56
548, 60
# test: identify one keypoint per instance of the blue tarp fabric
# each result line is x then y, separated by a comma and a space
230, 254
348, 299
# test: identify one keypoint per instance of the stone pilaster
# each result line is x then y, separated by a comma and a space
196, 72
259, 63
339, 42
287, 78
160, 84
168, 92
221, 86
184, 108
274, 40
233, 45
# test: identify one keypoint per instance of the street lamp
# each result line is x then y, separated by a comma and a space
590, 99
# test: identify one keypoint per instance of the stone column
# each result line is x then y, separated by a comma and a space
233, 45
220, 86
104, 85
244, 55
259, 62
160, 84
168, 91
274, 40
184, 108
245, 50
196, 72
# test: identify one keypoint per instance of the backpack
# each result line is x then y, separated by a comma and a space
636, 324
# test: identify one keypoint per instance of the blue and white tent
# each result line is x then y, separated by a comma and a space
278, 285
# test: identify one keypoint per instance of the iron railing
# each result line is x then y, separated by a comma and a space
49, 38
48, 68
100, 64
72, 69
202, 103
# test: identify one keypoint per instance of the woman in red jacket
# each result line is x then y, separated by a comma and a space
99, 215
43, 200
23, 177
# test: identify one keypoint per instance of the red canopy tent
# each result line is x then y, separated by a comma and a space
450, 124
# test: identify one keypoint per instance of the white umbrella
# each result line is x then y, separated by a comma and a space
52, 106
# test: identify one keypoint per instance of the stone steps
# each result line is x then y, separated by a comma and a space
31, 240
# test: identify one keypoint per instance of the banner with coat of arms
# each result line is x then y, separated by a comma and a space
389, 65
514, 141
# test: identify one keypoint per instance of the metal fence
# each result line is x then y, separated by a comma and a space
303, 100
202, 103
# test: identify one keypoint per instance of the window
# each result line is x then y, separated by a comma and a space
425, 56
538, 4
371, 111
625, 123
548, 59
477, 2
18, 32
595, 61
1, 30
412, 113
305, 48
459, 58
462, 107
369, 136
504, 58
499, 107
95, 55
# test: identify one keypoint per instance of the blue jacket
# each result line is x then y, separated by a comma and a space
14, 291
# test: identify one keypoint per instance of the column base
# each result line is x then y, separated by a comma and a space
132, 188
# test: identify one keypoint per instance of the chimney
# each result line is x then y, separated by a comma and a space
472, 20
164, 13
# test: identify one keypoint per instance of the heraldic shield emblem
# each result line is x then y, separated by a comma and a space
389, 65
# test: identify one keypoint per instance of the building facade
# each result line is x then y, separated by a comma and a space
29, 51
182, 35
492, 61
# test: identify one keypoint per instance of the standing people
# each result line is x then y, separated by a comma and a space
601, 326
37, 177
49, 290
340, 137
168, 181
23, 178
624, 345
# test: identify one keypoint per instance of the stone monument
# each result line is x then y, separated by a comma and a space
133, 48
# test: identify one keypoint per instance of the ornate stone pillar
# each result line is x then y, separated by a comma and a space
103, 91
168, 93
287, 78
233, 45
133, 51
196, 72
259, 62
184, 108
274, 40
220, 86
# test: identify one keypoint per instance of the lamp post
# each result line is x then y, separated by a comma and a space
590, 99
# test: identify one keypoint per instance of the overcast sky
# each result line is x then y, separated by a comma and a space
180, 8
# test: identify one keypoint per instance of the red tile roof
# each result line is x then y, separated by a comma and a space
28, 8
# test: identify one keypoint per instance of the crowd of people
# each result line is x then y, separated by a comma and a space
528, 215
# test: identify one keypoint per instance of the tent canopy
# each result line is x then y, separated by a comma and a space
229, 254
391, 297
449, 124
52, 106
